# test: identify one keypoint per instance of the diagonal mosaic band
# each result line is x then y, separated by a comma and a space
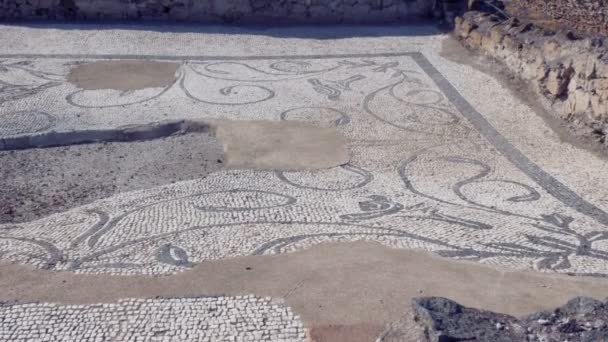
426, 171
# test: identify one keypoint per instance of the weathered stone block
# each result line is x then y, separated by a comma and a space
458, 24
600, 86
497, 35
599, 108
467, 27
511, 44
581, 319
560, 65
488, 44
475, 38
556, 83
582, 101
534, 70
551, 50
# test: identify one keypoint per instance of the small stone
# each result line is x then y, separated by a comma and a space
599, 324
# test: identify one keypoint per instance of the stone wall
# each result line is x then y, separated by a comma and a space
570, 72
222, 11
583, 16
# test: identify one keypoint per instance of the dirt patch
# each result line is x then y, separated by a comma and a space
283, 146
123, 75
38, 182
331, 286
408, 328
350, 333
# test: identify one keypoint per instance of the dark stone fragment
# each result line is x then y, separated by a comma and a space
569, 327
572, 36
446, 320
582, 319
582, 306
597, 42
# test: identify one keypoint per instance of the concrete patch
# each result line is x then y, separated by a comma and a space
381, 283
282, 146
123, 75
38, 182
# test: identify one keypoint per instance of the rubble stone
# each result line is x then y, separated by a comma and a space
441, 319
572, 73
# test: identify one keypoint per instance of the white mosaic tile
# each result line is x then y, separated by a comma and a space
242, 318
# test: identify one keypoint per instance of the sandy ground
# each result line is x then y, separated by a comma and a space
344, 292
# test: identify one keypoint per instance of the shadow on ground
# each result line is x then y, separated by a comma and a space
321, 32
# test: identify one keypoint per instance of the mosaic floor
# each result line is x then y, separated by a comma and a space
206, 319
440, 161
427, 171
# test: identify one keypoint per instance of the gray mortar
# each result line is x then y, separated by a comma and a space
37, 182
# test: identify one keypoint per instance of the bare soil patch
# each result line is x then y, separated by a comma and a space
281, 146
123, 75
